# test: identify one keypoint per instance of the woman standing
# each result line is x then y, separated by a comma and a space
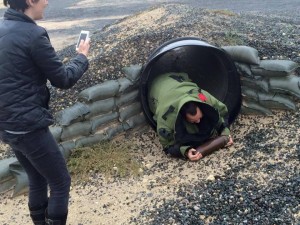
27, 61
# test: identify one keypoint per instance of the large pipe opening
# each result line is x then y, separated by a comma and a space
208, 66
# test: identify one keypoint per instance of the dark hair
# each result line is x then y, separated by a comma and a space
188, 108
19, 5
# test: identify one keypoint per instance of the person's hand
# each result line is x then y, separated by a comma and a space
230, 142
193, 155
84, 47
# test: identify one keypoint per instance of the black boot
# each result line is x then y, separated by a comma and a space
37, 214
62, 220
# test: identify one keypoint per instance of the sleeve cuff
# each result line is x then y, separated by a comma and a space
184, 149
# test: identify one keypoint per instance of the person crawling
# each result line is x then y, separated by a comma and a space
186, 115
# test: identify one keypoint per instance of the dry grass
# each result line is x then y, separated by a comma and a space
233, 38
110, 159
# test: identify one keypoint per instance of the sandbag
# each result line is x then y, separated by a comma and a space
130, 111
276, 101
7, 178
102, 120
7, 184
126, 85
66, 148
100, 107
91, 140
256, 83
250, 107
4, 168
113, 131
76, 129
71, 114
107, 89
243, 54
22, 181
56, 132
243, 69
134, 121
249, 93
133, 72
269, 100
127, 98
289, 84
274, 68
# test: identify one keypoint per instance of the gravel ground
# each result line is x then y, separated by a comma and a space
256, 181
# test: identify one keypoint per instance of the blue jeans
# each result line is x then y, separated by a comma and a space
39, 155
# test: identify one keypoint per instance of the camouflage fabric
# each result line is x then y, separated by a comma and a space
168, 93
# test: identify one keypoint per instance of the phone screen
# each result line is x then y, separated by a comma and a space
82, 36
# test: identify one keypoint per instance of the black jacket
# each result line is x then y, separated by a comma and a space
27, 61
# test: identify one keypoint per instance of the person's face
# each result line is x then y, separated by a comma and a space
37, 8
195, 118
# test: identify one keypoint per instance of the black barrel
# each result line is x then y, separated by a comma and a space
208, 66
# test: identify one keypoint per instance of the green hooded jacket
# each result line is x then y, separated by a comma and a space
168, 93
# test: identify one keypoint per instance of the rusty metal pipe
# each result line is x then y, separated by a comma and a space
212, 145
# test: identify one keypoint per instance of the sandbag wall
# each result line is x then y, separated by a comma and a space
102, 112
265, 84
112, 107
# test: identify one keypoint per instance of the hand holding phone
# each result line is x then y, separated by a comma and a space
83, 36
83, 48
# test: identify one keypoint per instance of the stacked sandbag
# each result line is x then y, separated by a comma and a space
7, 180
102, 112
266, 84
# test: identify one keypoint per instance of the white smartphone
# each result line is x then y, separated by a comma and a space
83, 36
